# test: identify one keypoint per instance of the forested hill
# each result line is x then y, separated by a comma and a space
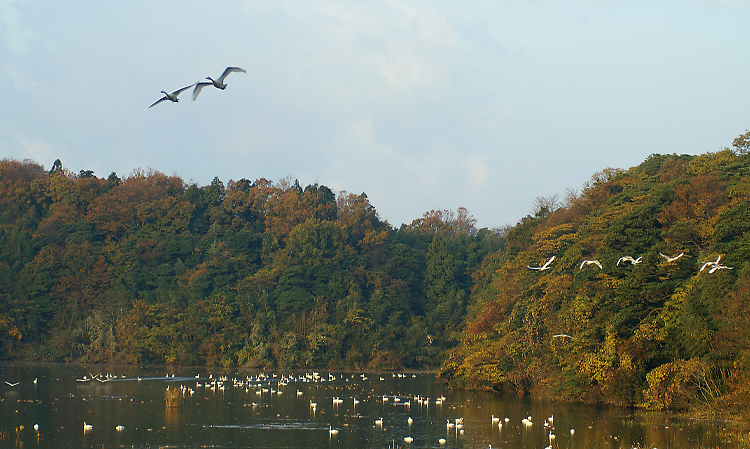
660, 332
149, 269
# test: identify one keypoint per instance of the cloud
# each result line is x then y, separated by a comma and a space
377, 48
16, 37
477, 173
31, 147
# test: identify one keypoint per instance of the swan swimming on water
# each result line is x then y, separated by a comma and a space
217, 83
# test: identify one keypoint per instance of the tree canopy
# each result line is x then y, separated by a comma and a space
148, 269
660, 333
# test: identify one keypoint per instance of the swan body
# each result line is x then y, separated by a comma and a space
590, 262
170, 96
87, 427
546, 265
408, 440
217, 83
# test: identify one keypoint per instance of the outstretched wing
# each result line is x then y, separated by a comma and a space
179, 91
198, 87
164, 98
229, 70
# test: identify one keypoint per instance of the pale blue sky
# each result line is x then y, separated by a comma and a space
420, 104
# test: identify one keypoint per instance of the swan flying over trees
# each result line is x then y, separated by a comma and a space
630, 259
590, 262
671, 259
543, 267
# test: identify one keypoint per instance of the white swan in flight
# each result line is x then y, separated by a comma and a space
671, 259
170, 96
629, 259
543, 267
719, 267
217, 83
563, 336
590, 262
711, 264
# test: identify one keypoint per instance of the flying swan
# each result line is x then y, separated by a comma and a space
217, 83
590, 262
629, 259
170, 96
671, 259
543, 267
711, 264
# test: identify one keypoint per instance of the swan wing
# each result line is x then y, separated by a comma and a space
164, 98
546, 264
179, 91
198, 87
229, 70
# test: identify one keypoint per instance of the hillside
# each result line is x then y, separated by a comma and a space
659, 333
149, 269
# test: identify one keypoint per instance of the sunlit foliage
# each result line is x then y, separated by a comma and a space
657, 334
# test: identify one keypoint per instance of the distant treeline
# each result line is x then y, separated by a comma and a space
149, 269
660, 333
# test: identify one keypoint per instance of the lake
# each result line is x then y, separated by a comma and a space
126, 406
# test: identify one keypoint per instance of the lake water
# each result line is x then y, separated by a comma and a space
236, 409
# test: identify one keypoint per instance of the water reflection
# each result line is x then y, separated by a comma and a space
128, 408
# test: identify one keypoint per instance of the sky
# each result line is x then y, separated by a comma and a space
421, 105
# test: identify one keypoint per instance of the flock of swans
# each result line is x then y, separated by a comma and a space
337, 407
198, 86
712, 265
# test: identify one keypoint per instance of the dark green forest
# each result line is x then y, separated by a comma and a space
150, 269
